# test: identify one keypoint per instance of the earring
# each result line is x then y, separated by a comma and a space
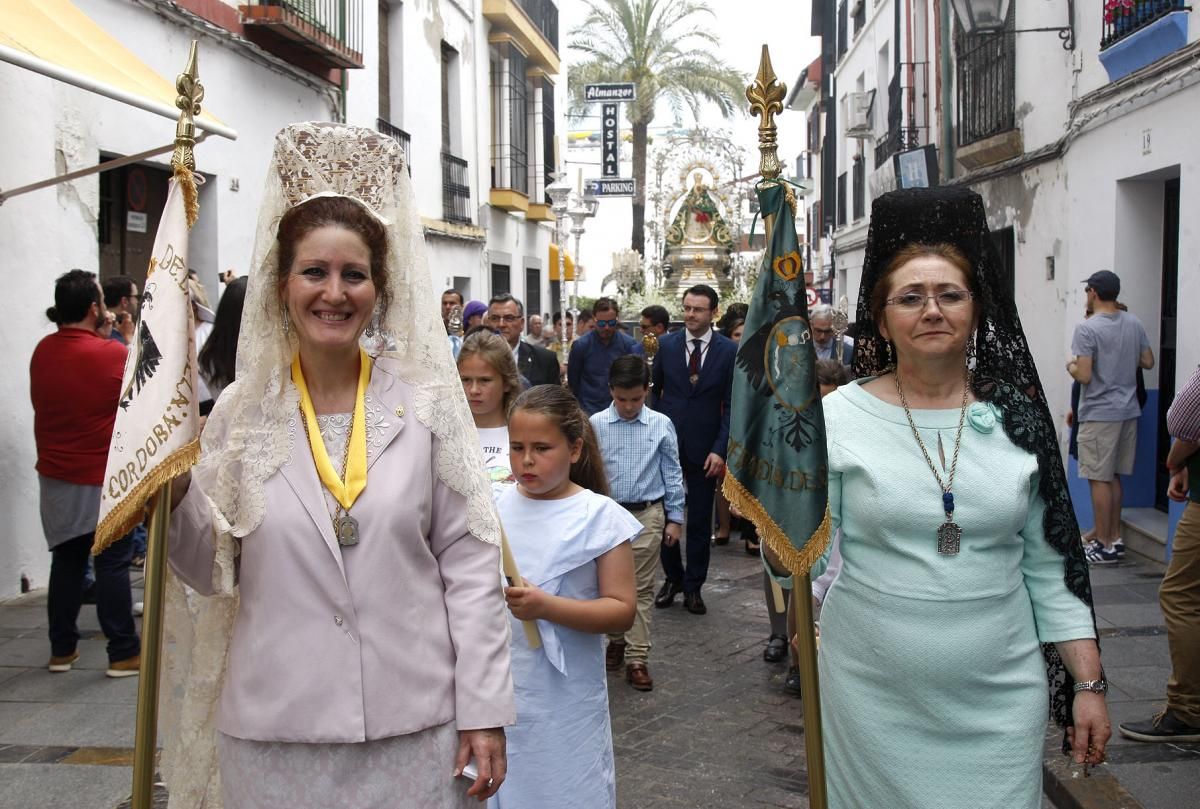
287, 324
891, 361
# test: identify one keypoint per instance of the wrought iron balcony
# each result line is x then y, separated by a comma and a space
1137, 33
328, 32
400, 136
456, 190
896, 141
1124, 17
544, 15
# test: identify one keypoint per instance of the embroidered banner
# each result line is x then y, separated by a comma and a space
155, 437
777, 473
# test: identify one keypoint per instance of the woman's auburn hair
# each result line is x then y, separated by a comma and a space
558, 405
342, 212
494, 350
943, 250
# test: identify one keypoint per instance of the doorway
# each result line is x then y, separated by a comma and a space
1166, 336
132, 199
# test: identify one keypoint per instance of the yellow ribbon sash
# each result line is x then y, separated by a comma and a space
347, 491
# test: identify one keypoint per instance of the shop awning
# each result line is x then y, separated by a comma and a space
54, 38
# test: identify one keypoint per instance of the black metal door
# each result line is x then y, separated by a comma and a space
1166, 335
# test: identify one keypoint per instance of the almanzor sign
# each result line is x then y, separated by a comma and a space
611, 91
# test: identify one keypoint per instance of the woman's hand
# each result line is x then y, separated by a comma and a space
486, 748
526, 603
1090, 734
179, 488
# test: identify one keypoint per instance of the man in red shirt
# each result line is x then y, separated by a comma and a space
75, 383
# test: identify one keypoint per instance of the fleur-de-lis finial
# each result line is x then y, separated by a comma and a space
191, 93
766, 101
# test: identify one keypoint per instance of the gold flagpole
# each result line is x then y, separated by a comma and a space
146, 739
766, 96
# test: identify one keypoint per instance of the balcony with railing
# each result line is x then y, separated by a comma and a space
400, 136
533, 24
1136, 33
456, 190
908, 108
987, 105
315, 34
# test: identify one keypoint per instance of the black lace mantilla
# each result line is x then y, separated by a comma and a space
1004, 372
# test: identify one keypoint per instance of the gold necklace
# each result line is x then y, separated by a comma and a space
345, 527
949, 534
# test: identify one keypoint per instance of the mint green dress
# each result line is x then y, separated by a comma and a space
933, 685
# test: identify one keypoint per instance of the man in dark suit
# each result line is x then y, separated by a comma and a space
693, 381
506, 315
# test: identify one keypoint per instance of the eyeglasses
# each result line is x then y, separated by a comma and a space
698, 310
506, 318
915, 301
607, 324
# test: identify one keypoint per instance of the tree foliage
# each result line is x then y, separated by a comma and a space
664, 48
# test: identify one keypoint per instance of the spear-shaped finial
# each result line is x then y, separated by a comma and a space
183, 161
766, 101
191, 93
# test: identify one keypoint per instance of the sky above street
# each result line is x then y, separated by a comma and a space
743, 26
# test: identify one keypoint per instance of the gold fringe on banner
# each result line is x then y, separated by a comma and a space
797, 561
191, 197
131, 510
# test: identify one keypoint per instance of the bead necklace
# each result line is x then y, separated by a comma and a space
949, 534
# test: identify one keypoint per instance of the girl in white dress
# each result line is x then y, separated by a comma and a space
572, 545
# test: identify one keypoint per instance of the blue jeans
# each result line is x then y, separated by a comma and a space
114, 601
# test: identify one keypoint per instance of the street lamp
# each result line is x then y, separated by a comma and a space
989, 16
559, 191
584, 208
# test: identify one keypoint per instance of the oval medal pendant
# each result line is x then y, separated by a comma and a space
347, 531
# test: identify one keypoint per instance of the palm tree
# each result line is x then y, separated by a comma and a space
665, 50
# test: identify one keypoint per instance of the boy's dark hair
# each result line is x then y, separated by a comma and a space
629, 371
605, 305
115, 288
586, 316
657, 315
706, 291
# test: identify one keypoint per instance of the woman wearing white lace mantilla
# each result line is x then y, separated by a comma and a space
353, 651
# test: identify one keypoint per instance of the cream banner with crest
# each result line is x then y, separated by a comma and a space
155, 437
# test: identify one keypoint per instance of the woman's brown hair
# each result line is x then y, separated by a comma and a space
949, 252
557, 404
341, 212
494, 350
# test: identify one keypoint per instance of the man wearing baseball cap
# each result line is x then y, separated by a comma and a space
1109, 347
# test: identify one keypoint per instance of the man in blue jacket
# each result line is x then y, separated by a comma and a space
693, 381
592, 356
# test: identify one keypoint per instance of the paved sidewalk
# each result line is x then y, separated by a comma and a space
717, 731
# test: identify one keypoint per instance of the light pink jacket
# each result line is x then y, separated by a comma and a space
405, 631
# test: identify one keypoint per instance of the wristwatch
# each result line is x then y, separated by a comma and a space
1095, 686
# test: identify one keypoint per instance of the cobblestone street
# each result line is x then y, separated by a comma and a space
717, 730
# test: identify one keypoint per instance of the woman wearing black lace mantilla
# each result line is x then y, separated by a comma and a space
963, 581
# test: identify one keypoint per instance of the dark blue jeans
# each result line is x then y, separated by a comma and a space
700, 493
114, 601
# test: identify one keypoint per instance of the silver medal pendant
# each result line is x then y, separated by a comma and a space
949, 537
347, 531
